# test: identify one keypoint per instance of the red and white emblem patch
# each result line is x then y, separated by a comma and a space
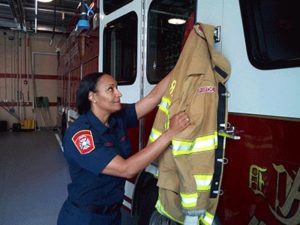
206, 89
84, 141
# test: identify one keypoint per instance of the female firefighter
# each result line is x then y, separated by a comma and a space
97, 149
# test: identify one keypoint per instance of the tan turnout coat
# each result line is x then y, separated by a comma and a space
187, 167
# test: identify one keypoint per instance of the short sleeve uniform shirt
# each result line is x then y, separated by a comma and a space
89, 146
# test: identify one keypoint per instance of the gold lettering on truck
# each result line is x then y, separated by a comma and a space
256, 181
287, 211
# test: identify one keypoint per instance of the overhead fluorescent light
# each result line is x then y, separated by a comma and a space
176, 21
45, 1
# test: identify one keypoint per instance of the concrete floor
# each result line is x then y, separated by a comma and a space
33, 179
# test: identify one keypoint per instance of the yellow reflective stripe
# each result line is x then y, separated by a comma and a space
167, 123
208, 142
164, 105
207, 219
166, 100
203, 182
156, 174
189, 200
154, 135
160, 208
205, 143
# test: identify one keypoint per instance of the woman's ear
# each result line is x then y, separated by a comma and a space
91, 97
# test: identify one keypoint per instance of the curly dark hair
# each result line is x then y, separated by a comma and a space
87, 84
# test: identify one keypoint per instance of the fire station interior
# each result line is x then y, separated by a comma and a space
33, 172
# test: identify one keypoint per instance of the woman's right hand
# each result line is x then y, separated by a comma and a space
178, 123
130, 167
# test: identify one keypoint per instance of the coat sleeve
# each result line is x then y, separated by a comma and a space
193, 149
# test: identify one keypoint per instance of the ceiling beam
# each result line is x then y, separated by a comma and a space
17, 10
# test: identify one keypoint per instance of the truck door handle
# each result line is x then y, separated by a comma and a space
228, 131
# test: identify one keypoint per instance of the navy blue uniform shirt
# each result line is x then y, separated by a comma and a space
89, 146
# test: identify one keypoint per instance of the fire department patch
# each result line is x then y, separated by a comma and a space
206, 89
84, 141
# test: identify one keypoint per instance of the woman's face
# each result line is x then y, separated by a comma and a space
107, 97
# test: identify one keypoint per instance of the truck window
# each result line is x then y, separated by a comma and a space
272, 32
112, 5
120, 49
165, 38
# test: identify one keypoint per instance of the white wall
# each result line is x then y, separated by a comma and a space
21, 56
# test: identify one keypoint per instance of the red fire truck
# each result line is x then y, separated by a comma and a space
139, 41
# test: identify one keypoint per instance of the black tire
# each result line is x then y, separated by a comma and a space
216, 221
158, 219
147, 198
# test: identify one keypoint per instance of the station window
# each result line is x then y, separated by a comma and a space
165, 38
120, 49
112, 5
272, 32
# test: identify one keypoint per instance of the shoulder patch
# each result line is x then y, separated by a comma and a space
84, 142
206, 89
